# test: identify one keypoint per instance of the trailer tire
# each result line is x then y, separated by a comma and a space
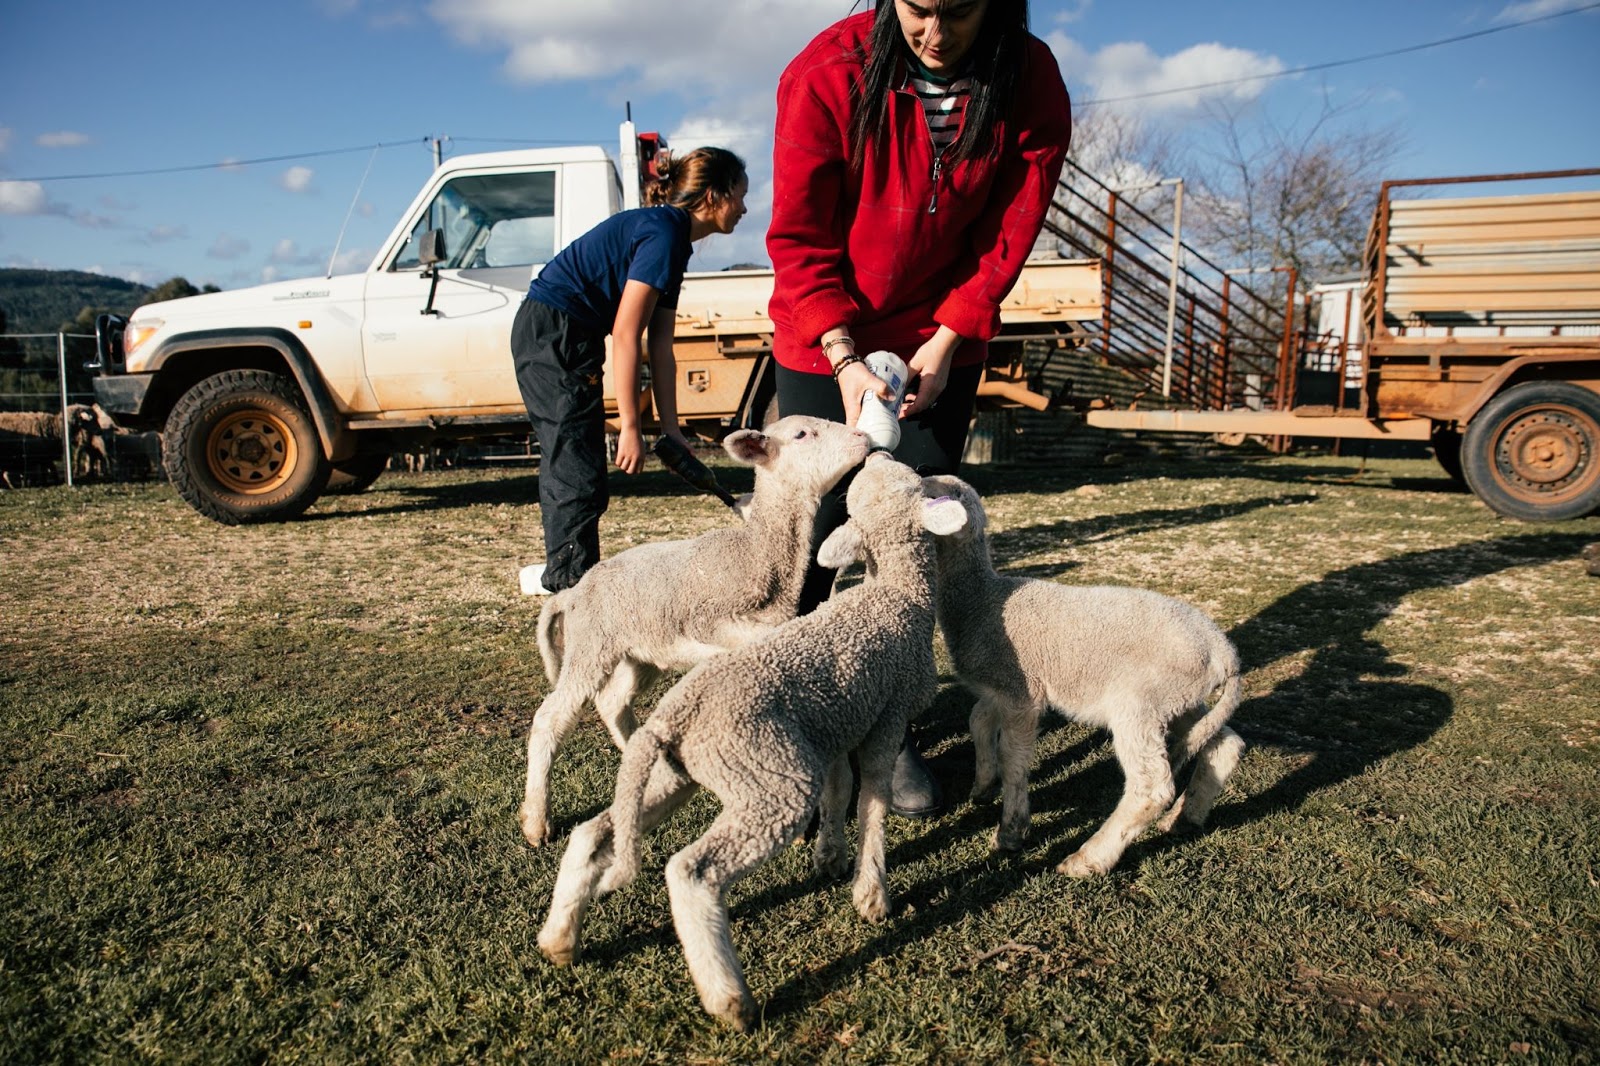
1533, 452
241, 447
1447, 450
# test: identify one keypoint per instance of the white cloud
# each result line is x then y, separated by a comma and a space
62, 139
296, 179
164, 233
1532, 9
227, 246
689, 47
23, 198
1133, 69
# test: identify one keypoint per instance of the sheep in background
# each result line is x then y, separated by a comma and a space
130, 455
1131, 661
30, 444
769, 728
668, 605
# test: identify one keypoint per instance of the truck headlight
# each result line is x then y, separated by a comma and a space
137, 332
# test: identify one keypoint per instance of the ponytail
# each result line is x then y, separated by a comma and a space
685, 181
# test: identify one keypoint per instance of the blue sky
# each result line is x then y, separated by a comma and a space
92, 88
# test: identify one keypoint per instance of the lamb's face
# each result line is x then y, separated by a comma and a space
886, 493
809, 454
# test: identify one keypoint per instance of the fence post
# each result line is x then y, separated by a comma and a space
66, 427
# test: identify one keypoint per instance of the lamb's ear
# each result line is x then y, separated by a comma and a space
943, 516
842, 548
748, 446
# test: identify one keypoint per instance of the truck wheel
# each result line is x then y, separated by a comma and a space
1447, 449
1533, 452
241, 447
356, 474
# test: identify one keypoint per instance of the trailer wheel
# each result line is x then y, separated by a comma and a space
1447, 450
1533, 452
241, 447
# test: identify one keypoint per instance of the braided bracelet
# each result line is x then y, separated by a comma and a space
846, 361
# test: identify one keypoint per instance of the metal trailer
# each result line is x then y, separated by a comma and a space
1480, 326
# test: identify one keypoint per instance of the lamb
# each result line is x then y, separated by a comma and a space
1134, 662
668, 605
30, 443
769, 728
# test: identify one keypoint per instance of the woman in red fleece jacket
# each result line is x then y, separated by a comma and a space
916, 151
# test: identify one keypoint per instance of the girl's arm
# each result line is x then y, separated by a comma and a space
664, 371
637, 307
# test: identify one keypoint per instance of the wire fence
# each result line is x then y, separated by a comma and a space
42, 373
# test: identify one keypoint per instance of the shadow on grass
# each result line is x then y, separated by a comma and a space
1101, 528
443, 495
1335, 713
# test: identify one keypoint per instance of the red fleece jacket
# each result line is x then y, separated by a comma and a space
875, 251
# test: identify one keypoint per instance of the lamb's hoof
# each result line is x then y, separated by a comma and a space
1075, 865
1007, 842
536, 829
562, 954
872, 905
984, 791
1170, 819
739, 1013
832, 867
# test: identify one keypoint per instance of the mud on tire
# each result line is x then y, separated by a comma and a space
241, 447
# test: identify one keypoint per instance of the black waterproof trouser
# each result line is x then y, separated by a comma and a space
930, 443
559, 364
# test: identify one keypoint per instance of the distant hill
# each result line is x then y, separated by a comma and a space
45, 301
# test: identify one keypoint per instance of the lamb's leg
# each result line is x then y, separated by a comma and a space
984, 722
589, 856
741, 838
555, 718
1019, 731
876, 757
614, 701
1146, 794
829, 857
1215, 763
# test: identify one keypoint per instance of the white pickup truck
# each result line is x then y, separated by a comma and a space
267, 396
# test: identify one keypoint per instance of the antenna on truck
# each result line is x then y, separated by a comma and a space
637, 156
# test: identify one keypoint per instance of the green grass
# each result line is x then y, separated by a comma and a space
260, 789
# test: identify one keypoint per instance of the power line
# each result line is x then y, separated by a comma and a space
1241, 80
230, 164
1337, 62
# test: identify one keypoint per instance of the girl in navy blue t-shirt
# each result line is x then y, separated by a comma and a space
622, 278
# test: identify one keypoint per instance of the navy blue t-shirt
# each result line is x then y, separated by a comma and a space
586, 278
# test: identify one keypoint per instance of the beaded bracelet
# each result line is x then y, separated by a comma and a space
827, 346
846, 361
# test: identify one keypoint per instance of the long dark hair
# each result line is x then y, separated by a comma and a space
995, 63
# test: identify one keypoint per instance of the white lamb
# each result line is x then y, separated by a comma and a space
1131, 661
769, 728
669, 605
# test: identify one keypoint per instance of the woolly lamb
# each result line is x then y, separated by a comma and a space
668, 605
769, 728
1131, 661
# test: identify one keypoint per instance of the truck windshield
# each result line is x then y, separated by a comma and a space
489, 220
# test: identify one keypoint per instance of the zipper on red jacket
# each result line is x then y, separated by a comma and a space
938, 168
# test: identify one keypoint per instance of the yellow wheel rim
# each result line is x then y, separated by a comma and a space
251, 452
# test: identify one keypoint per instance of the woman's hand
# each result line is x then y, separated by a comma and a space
854, 380
630, 451
930, 370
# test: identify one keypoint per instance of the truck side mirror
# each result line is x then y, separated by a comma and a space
430, 248
430, 253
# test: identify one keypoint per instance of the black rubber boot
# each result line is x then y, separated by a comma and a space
915, 793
